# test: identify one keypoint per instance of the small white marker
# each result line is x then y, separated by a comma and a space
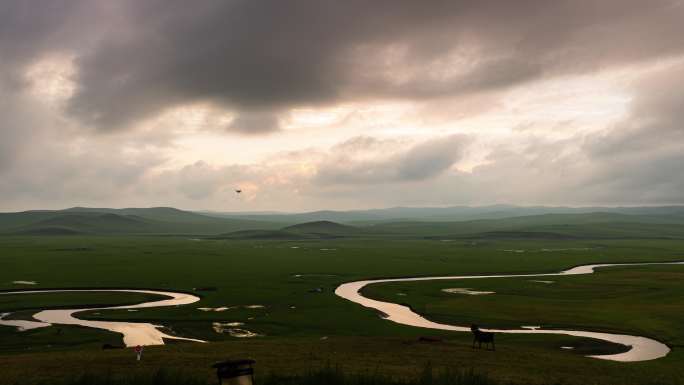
138, 351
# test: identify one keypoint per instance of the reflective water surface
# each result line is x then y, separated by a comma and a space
134, 333
22, 325
642, 348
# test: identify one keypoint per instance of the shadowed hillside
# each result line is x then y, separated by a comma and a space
324, 229
309, 230
261, 234
156, 220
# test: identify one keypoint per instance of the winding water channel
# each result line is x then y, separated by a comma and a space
642, 348
134, 333
141, 333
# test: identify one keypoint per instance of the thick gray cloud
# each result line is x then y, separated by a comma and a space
420, 162
254, 123
32, 29
136, 59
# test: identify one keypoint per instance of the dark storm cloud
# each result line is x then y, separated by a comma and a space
254, 123
152, 55
32, 29
420, 162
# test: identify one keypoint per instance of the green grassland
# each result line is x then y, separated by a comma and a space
646, 300
520, 360
279, 274
25, 302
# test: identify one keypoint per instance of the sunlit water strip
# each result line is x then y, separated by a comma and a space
134, 333
641, 348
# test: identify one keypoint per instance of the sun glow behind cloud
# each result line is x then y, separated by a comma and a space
51, 79
556, 109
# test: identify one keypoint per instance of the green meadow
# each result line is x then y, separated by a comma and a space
302, 329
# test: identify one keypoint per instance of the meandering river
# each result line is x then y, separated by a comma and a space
642, 348
141, 333
134, 333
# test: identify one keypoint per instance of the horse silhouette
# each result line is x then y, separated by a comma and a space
479, 336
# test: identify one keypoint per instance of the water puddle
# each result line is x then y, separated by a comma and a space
224, 308
218, 309
642, 348
467, 291
312, 275
530, 327
571, 249
233, 330
242, 333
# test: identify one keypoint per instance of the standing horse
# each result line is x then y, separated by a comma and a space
479, 336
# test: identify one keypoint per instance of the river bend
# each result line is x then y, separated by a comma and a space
641, 348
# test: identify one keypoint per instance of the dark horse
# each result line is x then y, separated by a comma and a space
479, 336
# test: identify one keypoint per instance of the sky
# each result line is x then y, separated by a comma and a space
307, 105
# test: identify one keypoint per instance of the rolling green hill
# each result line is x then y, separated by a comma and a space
308, 230
324, 229
164, 214
261, 234
156, 220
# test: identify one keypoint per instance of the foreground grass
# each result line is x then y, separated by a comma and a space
327, 375
518, 360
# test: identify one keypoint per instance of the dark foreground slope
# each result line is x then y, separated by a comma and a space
332, 361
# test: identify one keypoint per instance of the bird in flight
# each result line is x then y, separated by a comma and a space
238, 191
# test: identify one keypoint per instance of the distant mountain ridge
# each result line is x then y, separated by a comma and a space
443, 214
428, 223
